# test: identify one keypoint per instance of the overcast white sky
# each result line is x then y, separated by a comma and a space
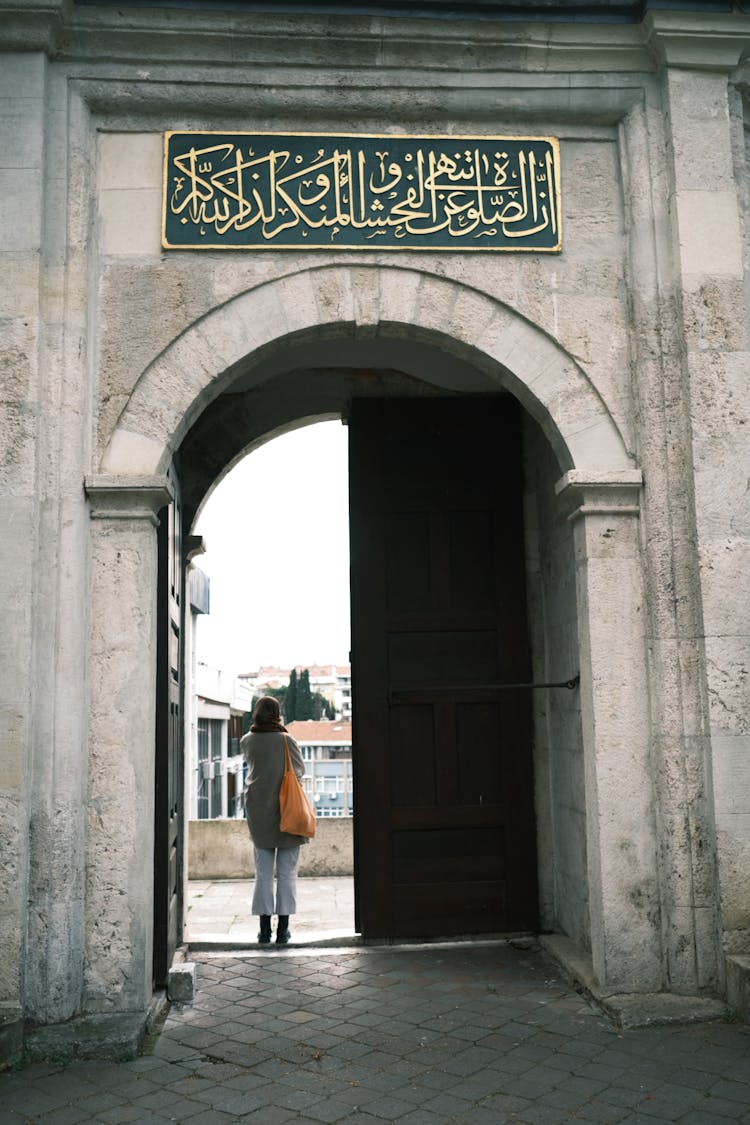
277, 537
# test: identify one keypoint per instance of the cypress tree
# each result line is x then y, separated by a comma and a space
290, 703
304, 697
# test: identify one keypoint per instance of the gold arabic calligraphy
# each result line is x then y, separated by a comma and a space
227, 188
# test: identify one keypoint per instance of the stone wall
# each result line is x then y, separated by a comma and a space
221, 849
629, 350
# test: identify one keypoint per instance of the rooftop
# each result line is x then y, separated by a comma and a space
320, 731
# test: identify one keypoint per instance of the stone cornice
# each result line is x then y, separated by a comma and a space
62, 29
697, 41
608, 493
248, 40
34, 25
118, 498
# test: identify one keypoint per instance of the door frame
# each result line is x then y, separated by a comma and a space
169, 765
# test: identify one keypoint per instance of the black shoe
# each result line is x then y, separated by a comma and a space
282, 930
264, 934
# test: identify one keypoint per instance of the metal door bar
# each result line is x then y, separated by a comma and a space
413, 695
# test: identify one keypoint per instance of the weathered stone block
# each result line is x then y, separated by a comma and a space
119, 233
11, 1036
714, 315
181, 983
738, 985
21, 221
709, 233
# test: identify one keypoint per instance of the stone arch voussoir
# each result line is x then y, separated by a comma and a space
363, 300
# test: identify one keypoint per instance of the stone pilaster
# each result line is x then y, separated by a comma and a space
620, 821
23, 89
120, 843
710, 281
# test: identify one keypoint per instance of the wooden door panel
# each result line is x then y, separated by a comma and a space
169, 771
447, 855
412, 751
478, 725
407, 538
442, 657
444, 815
455, 908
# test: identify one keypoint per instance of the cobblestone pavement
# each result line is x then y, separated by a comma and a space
479, 1034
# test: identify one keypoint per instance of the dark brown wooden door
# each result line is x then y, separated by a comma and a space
169, 779
444, 807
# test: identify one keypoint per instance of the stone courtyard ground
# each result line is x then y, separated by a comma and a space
478, 1034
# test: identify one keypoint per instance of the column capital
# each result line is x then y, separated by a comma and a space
697, 41
616, 492
33, 25
122, 498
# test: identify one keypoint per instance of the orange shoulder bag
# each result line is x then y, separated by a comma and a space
296, 815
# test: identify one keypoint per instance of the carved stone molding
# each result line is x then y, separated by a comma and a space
112, 498
616, 492
699, 40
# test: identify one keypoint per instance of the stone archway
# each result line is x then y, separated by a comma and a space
363, 302
600, 485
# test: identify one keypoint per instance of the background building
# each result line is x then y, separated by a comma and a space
332, 681
216, 764
327, 751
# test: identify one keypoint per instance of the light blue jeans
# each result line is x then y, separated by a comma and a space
286, 861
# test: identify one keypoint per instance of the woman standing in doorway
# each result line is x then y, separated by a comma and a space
263, 748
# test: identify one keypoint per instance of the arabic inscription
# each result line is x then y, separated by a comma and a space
279, 191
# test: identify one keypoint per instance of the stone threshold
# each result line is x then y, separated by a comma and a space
208, 943
347, 939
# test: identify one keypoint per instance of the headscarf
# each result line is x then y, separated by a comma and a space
267, 716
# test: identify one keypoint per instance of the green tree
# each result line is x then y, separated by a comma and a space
322, 707
304, 697
290, 703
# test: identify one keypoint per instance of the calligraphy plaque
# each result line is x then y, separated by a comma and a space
278, 191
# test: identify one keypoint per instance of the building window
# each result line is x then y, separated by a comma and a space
202, 783
208, 782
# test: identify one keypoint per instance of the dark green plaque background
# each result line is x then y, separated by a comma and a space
280, 191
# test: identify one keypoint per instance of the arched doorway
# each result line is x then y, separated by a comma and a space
445, 827
460, 857
446, 838
299, 348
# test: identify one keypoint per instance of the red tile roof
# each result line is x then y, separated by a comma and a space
268, 672
320, 732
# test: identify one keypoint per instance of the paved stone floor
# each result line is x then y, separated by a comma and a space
478, 1034
218, 910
